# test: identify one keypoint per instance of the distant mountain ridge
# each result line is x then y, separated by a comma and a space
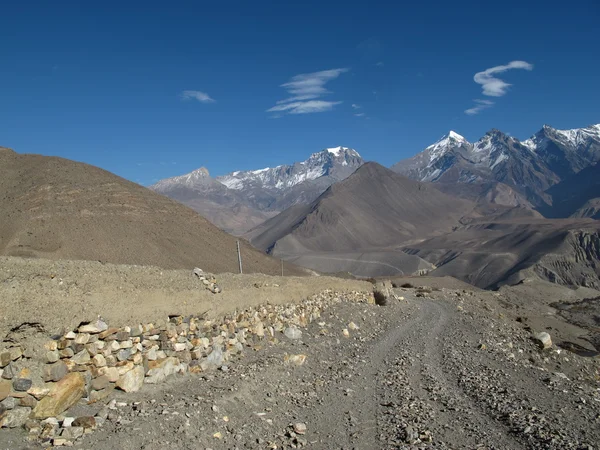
259, 194
522, 171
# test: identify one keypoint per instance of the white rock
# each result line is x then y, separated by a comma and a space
543, 340
132, 381
292, 333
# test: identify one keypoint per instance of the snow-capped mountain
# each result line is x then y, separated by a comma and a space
566, 152
527, 168
336, 163
193, 180
259, 194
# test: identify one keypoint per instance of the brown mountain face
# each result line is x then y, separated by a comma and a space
491, 252
373, 208
576, 196
60, 209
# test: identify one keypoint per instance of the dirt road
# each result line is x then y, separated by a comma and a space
444, 369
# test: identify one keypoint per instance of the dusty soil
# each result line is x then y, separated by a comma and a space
444, 368
60, 294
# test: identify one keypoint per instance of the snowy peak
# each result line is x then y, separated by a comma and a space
571, 139
446, 143
190, 180
337, 151
452, 138
336, 162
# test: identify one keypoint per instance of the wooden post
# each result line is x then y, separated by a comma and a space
282, 267
239, 256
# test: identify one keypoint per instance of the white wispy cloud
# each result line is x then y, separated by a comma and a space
480, 106
359, 114
311, 106
355, 106
202, 97
305, 91
495, 87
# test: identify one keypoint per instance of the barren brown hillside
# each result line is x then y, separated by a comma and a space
60, 209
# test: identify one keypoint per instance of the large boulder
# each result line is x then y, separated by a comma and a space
61, 397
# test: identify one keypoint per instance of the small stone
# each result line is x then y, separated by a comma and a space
295, 360
300, 428
85, 422
15, 353
352, 326
60, 442
83, 357
112, 373
55, 372
217, 435
15, 418
5, 388
9, 372
93, 327
126, 344
99, 360
122, 335
179, 346
22, 384
132, 381
72, 433
28, 402
51, 346
151, 354
292, 333
345, 332
161, 369
38, 392
66, 353
71, 335
4, 359
82, 338
124, 354
52, 356
100, 383
9, 403
543, 340
67, 422
107, 333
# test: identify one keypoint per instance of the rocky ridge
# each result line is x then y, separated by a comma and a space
89, 363
501, 168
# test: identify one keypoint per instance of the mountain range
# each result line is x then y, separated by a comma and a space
497, 169
501, 169
241, 200
491, 212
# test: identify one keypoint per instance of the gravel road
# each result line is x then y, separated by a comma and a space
443, 369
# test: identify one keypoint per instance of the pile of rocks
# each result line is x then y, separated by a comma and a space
90, 362
208, 280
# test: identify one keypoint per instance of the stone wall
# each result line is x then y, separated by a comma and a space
90, 362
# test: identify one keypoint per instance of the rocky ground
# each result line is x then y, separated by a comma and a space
441, 368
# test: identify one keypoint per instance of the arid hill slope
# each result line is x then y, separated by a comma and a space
373, 208
60, 209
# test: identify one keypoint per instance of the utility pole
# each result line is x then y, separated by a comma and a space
239, 256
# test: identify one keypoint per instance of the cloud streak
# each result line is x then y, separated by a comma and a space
495, 87
200, 96
492, 86
305, 92
480, 106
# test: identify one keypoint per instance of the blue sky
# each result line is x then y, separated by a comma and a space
154, 89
